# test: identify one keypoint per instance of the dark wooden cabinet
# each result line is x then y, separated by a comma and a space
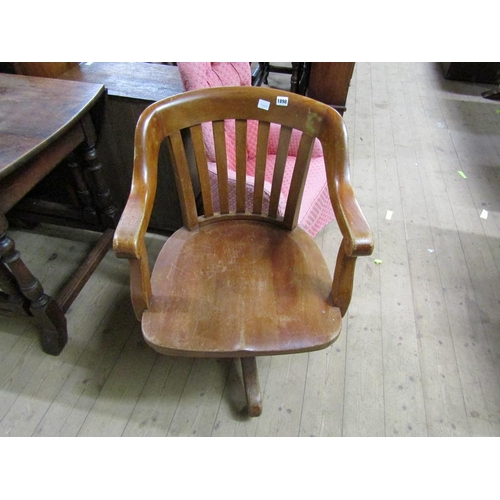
476, 72
131, 88
329, 83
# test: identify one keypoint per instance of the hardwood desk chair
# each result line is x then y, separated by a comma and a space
235, 283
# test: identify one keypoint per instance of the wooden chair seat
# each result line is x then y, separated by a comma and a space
240, 288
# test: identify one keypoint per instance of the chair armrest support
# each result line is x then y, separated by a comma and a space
135, 218
343, 280
128, 241
357, 241
131, 230
357, 236
140, 284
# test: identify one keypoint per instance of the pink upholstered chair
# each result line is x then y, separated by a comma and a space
316, 209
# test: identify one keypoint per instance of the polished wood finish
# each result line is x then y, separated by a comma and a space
240, 288
130, 80
238, 284
329, 83
44, 120
38, 112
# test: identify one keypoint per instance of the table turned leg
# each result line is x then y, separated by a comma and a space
76, 166
11, 298
44, 309
294, 80
102, 193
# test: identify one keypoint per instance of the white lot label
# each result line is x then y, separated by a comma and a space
263, 104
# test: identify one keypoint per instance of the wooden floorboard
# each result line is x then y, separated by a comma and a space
419, 354
364, 368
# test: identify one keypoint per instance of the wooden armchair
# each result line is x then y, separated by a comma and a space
236, 283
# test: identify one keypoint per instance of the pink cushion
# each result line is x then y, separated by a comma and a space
316, 209
202, 75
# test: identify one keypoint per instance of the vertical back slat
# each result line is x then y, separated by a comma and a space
241, 164
183, 180
279, 170
221, 159
260, 166
298, 181
202, 167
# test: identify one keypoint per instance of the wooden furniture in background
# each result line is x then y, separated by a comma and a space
131, 88
239, 283
43, 122
476, 72
299, 75
45, 69
329, 83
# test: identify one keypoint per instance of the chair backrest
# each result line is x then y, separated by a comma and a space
174, 117
202, 75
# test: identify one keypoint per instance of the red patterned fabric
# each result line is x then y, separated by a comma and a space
316, 209
202, 75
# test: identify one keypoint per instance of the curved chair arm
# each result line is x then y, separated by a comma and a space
358, 238
128, 241
129, 234
357, 241
357, 235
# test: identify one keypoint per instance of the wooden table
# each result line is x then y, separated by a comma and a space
43, 122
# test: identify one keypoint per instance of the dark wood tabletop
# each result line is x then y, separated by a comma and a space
44, 122
34, 112
131, 80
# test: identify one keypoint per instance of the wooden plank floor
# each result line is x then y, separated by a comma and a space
419, 353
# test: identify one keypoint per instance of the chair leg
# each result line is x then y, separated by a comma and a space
252, 389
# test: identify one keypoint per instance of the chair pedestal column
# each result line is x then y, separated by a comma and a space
252, 389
